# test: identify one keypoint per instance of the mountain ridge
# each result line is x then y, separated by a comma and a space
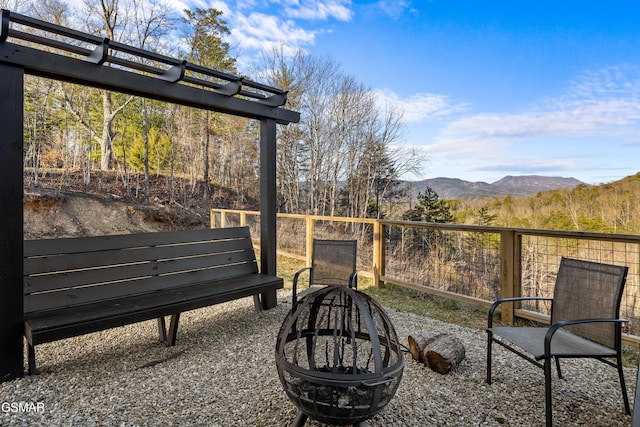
514, 185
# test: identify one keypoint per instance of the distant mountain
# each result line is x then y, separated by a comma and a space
523, 185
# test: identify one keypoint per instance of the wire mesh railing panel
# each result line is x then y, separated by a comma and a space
291, 232
464, 260
458, 261
540, 260
362, 232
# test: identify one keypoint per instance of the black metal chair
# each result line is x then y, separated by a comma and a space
585, 323
333, 262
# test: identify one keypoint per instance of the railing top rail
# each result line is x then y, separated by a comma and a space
330, 218
628, 238
522, 231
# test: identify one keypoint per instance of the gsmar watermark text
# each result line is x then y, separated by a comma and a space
16, 407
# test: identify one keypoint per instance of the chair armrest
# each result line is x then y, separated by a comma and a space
556, 326
297, 275
353, 280
294, 297
503, 300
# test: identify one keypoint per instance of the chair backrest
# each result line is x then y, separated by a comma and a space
589, 290
333, 262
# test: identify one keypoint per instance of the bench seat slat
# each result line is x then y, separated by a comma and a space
58, 324
137, 286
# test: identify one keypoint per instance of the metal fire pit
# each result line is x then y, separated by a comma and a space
338, 357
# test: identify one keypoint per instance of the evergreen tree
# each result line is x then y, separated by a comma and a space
430, 208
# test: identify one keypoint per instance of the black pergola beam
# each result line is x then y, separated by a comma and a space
49, 65
98, 50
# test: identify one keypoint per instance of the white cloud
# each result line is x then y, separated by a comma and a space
261, 25
318, 9
524, 166
419, 107
395, 8
602, 104
259, 31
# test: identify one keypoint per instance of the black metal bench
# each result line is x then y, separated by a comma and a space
75, 286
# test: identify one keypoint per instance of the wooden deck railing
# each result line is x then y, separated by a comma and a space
466, 263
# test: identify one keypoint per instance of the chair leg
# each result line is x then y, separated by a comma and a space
547, 391
625, 397
489, 342
558, 367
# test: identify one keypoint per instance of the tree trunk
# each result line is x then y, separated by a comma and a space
145, 132
205, 164
437, 350
107, 133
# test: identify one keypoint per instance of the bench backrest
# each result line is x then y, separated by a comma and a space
589, 290
74, 271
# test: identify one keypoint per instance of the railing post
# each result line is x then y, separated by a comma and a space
309, 230
378, 253
212, 218
243, 219
507, 278
223, 219
517, 264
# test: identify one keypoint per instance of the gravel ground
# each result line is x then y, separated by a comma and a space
222, 373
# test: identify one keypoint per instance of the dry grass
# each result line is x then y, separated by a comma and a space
423, 304
403, 299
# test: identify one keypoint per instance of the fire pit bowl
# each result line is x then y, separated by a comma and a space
338, 357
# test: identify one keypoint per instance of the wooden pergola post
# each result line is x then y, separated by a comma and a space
11, 240
268, 208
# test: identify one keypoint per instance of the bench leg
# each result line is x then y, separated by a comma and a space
268, 300
32, 360
257, 303
162, 329
168, 337
173, 330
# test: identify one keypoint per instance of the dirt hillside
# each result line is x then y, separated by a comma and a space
66, 207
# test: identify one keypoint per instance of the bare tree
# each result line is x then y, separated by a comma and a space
342, 152
207, 48
152, 22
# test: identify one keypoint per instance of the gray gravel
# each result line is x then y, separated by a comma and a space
222, 373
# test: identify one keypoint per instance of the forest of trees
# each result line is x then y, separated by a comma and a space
607, 208
342, 158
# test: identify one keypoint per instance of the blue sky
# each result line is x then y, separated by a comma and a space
488, 88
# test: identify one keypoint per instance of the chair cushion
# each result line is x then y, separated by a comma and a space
563, 344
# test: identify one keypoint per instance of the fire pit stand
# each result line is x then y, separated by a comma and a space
338, 357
